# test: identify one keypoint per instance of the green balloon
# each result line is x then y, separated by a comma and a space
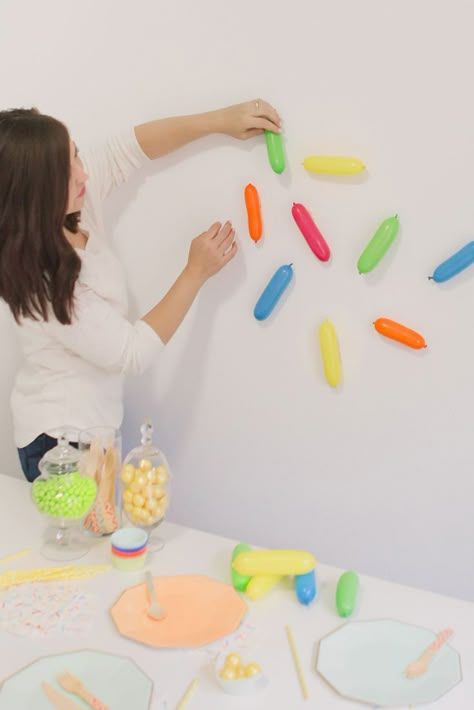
276, 155
378, 245
346, 593
239, 581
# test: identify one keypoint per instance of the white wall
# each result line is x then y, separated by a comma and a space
376, 476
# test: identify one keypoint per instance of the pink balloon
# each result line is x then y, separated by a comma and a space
310, 232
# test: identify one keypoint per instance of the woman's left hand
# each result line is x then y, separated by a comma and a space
249, 119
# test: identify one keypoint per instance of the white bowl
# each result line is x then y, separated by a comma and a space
241, 686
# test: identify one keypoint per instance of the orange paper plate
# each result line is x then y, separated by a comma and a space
199, 610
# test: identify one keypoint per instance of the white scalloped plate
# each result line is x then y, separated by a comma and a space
366, 661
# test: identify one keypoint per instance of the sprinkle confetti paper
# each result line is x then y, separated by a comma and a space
45, 609
245, 635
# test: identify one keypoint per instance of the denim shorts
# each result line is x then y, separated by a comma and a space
31, 455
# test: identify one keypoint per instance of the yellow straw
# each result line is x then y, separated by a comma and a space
297, 663
49, 574
15, 556
190, 690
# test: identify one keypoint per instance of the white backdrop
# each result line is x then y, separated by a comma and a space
376, 476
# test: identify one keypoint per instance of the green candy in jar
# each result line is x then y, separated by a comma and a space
65, 496
62, 491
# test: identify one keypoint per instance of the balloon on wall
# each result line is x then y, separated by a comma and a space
254, 215
333, 165
378, 245
273, 291
455, 264
275, 151
396, 331
330, 353
310, 232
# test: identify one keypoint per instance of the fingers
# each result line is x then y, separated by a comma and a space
227, 242
265, 124
229, 254
252, 132
213, 230
262, 109
223, 234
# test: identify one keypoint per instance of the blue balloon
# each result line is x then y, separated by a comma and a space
456, 263
273, 292
305, 587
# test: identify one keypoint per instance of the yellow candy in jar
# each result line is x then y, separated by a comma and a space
165, 502
128, 472
161, 474
151, 476
145, 465
233, 660
157, 492
128, 507
127, 495
251, 669
136, 512
227, 673
134, 487
140, 479
159, 511
151, 505
138, 500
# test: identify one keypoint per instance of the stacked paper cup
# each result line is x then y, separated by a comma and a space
129, 549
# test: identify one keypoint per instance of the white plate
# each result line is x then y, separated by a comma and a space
366, 661
116, 681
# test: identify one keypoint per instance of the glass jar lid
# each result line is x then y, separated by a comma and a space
63, 458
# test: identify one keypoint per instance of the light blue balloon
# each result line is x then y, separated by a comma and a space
273, 292
456, 263
305, 587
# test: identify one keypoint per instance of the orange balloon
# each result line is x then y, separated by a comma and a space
397, 331
252, 202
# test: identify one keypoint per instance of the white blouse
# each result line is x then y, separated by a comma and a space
72, 375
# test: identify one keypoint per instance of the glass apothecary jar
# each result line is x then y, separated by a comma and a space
145, 486
64, 495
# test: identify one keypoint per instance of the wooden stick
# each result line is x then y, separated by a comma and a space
297, 663
189, 691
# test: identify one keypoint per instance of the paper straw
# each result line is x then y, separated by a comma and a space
15, 556
297, 663
190, 690
49, 574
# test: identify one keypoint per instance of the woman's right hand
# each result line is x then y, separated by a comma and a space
211, 250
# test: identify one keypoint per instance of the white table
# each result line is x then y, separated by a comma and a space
193, 552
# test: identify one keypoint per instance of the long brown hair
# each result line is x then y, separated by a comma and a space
38, 266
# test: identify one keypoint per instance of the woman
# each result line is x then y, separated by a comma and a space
63, 284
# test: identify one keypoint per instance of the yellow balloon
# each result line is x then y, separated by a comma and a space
261, 584
333, 165
283, 562
330, 353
